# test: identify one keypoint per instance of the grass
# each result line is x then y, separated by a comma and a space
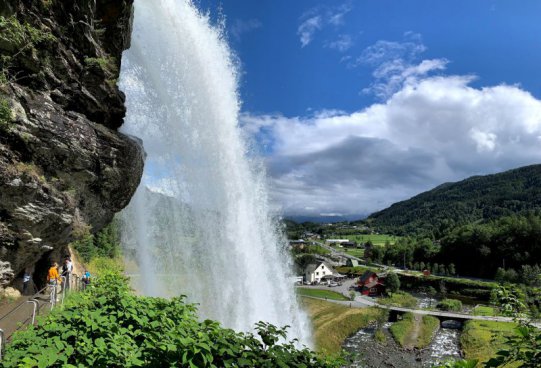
359, 253
333, 323
429, 327
376, 239
452, 305
400, 299
400, 330
482, 339
404, 331
319, 293
483, 310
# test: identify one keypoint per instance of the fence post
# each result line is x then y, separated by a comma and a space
35, 302
2, 343
63, 289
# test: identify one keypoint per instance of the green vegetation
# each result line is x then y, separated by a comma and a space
108, 326
483, 310
414, 331
5, 114
392, 282
18, 41
355, 271
375, 239
482, 339
15, 36
450, 285
105, 243
320, 293
429, 327
451, 305
106, 64
400, 299
479, 249
447, 206
333, 323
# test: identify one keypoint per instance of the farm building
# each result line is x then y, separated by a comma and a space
372, 284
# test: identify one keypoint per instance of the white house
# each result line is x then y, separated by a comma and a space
316, 271
336, 241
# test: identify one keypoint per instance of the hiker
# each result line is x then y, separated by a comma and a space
26, 280
53, 278
67, 269
85, 279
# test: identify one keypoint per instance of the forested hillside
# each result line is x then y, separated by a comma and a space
436, 212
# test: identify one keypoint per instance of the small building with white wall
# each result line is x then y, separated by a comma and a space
316, 271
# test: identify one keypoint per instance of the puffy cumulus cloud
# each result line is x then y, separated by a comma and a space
432, 130
317, 18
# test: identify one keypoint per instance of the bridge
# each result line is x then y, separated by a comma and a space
361, 302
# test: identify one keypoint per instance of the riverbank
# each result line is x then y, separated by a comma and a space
334, 323
481, 340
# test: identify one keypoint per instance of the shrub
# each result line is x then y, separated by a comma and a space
108, 326
450, 305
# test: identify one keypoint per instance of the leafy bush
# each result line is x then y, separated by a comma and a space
108, 326
400, 299
450, 305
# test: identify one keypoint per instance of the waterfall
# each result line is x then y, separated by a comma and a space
200, 222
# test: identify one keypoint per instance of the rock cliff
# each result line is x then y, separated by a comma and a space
64, 168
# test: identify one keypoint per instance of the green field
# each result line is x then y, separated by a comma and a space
483, 310
319, 293
482, 339
376, 239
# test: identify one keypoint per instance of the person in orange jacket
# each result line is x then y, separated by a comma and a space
53, 277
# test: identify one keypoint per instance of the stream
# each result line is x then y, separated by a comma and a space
369, 353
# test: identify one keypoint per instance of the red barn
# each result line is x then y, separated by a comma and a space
372, 284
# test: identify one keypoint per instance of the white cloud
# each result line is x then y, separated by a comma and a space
433, 129
343, 43
240, 27
308, 28
396, 64
317, 18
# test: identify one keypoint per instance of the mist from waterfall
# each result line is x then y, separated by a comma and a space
200, 223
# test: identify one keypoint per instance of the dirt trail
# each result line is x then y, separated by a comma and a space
411, 339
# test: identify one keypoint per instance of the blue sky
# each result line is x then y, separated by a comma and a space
357, 104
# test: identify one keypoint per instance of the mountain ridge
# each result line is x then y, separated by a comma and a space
476, 198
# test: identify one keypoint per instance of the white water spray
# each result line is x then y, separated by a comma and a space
213, 237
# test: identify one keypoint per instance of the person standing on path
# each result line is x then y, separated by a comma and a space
53, 278
67, 269
26, 280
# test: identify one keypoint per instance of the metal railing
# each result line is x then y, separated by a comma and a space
76, 283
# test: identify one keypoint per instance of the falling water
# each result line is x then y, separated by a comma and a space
200, 222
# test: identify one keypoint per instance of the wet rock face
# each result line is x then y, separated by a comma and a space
64, 169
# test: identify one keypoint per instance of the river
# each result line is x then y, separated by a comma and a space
369, 353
